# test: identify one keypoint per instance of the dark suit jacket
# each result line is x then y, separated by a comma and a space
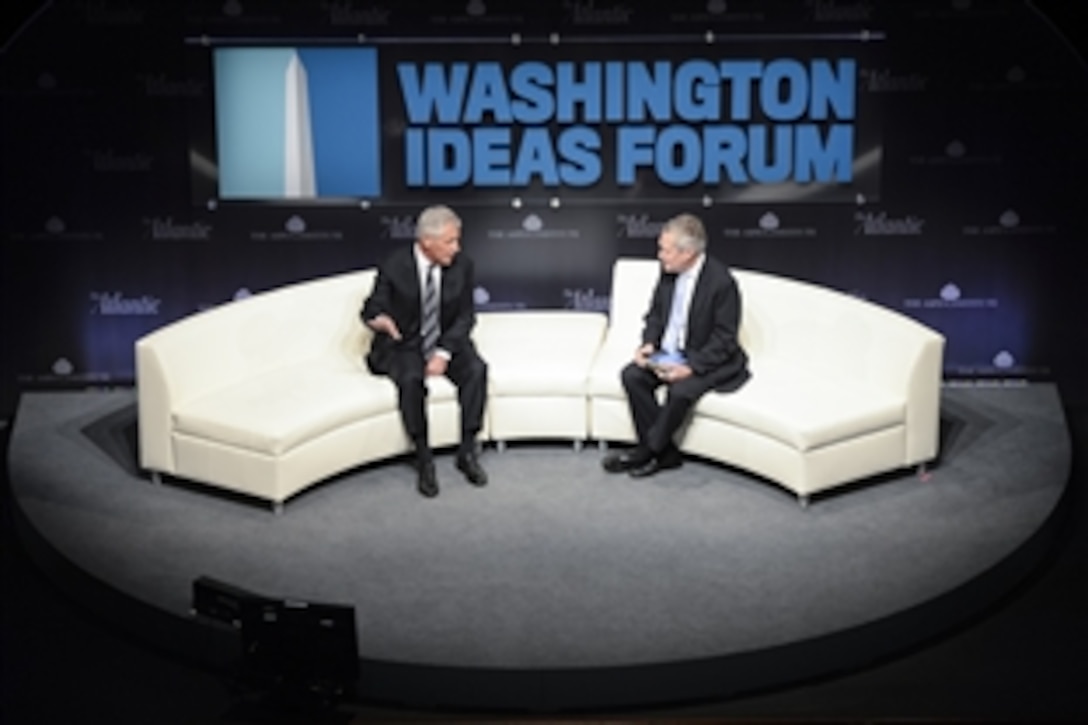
711, 345
397, 294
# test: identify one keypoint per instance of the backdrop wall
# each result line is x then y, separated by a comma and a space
927, 156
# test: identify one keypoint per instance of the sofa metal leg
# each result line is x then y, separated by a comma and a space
577, 446
923, 472
602, 446
156, 478
500, 446
803, 499
277, 508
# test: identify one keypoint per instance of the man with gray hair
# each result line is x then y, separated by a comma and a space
689, 344
422, 313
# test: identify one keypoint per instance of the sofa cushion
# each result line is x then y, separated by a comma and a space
608, 363
279, 410
534, 353
537, 378
804, 410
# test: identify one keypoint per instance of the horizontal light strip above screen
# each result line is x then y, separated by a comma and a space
710, 37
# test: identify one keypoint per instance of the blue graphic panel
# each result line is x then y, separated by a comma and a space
250, 96
339, 86
343, 85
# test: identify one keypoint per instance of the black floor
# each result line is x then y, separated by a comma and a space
1025, 660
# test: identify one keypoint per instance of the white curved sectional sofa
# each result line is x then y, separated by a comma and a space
268, 395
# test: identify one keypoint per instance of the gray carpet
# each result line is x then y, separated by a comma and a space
555, 564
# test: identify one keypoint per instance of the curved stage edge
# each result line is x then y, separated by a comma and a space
217, 647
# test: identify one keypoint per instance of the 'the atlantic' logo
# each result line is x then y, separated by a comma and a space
637, 226
586, 12
167, 228
398, 227
879, 224
298, 123
114, 304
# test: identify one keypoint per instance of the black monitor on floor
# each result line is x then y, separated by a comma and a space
301, 649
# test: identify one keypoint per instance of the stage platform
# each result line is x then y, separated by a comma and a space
558, 586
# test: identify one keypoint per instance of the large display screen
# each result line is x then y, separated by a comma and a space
776, 121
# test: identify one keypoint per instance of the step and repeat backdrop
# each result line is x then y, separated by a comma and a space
927, 156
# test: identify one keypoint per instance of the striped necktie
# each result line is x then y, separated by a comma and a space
429, 330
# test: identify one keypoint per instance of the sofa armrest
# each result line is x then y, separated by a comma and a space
154, 409
924, 400
215, 348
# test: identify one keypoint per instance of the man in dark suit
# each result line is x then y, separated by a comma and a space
422, 314
689, 344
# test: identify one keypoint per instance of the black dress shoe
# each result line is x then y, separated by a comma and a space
663, 462
620, 461
428, 481
468, 464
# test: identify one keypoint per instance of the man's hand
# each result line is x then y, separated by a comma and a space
384, 323
673, 373
642, 355
436, 365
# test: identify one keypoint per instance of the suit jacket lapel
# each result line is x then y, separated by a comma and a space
697, 310
411, 273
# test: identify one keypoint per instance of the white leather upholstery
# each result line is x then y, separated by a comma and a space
840, 388
269, 394
538, 366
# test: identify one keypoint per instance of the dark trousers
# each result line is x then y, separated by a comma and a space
466, 370
656, 423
